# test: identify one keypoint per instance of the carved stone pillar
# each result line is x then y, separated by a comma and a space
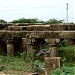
26, 44
53, 46
23, 44
53, 50
51, 63
10, 48
29, 48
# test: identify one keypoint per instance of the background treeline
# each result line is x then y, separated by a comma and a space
34, 20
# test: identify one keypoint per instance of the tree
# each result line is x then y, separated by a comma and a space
3, 21
54, 21
23, 20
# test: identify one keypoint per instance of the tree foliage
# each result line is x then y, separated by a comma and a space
36, 20
3, 21
23, 20
54, 21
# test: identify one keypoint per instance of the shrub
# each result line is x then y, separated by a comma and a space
57, 72
67, 53
64, 71
68, 70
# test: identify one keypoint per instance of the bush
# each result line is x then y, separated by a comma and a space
64, 71
68, 70
38, 66
57, 72
67, 52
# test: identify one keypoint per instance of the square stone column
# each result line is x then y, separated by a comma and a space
51, 63
10, 47
23, 45
53, 50
26, 44
10, 50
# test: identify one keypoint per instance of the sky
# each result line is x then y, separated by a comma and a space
41, 9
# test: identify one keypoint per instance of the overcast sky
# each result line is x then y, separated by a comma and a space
41, 9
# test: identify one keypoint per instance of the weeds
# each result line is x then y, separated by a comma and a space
15, 63
64, 71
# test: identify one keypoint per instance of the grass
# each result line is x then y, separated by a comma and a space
64, 71
14, 64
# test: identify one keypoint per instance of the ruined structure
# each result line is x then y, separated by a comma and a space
23, 37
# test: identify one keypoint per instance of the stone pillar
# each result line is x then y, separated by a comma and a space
29, 48
53, 50
10, 48
53, 46
26, 45
51, 63
23, 44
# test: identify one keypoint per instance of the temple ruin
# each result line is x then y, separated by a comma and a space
23, 37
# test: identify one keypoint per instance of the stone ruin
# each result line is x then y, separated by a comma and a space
23, 37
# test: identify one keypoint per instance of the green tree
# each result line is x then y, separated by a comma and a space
3, 21
23, 20
54, 21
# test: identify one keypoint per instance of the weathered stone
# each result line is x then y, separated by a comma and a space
51, 63
10, 50
26, 40
53, 50
52, 40
37, 34
24, 45
29, 48
51, 33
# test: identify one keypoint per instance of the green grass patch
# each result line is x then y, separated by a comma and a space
14, 63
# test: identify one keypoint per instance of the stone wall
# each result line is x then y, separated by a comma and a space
51, 27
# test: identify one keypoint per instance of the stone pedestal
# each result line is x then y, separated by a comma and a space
51, 63
10, 49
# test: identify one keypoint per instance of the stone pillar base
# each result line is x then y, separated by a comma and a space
51, 63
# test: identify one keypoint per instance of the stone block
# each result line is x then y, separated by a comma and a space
51, 63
